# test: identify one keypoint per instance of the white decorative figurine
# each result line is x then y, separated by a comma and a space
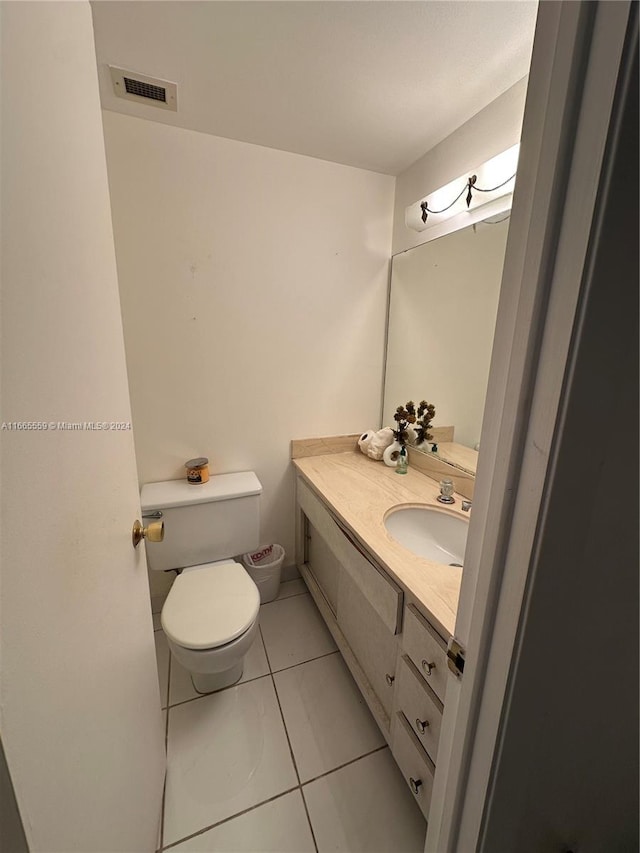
373, 444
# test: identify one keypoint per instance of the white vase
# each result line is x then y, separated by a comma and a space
391, 453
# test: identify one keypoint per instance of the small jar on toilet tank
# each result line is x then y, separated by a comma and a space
197, 470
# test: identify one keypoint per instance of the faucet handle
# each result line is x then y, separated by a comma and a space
466, 505
446, 492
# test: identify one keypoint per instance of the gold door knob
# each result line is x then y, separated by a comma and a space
154, 532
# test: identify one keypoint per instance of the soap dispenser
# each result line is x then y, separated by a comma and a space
403, 461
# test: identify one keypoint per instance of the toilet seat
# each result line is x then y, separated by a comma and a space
210, 605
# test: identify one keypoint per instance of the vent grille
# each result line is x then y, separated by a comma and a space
142, 89
145, 90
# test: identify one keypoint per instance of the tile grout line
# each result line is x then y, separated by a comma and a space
223, 690
277, 797
306, 811
166, 754
231, 817
256, 678
302, 663
293, 759
293, 595
346, 764
285, 598
328, 773
284, 725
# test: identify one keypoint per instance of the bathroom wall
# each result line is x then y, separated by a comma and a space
492, 130
253, 286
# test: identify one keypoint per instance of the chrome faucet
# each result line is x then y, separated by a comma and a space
466, 506
446, 492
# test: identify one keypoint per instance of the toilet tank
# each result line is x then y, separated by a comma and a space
204, 522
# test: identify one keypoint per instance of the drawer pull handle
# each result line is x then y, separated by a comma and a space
390, 679
428, 667
415, 785
422, 725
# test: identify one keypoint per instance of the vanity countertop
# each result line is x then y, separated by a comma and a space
360, 491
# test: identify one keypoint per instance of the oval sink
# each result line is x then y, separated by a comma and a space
429, 532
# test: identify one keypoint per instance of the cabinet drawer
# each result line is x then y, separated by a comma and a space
374, 646
385, 596
427, 650
420, 706
415, 765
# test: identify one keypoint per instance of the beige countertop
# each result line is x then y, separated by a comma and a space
361, 491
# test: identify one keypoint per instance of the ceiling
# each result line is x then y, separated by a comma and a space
368, 83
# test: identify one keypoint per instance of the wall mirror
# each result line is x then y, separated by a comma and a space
442, 315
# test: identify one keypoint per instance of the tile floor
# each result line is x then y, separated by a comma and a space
289, 760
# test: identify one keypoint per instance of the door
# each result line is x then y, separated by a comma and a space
80, 715
575, 66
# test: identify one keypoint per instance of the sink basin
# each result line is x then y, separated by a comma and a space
429, 532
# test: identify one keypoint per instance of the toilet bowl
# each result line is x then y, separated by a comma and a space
210, 619
210, 616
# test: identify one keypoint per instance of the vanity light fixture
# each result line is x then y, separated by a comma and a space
469, 198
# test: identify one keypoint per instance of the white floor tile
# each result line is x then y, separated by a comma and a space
162, 659
326, 717
280, 826
289, 588
294, 632
365, 807
181, 687
226, 752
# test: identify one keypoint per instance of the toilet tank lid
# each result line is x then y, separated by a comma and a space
220, 487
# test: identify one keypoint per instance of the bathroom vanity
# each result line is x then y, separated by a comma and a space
391, 613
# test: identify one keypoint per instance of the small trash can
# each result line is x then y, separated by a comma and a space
265, 567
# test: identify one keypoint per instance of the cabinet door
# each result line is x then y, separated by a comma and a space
385, 596
374, 646
323, 565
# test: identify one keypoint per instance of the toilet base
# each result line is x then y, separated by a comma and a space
209, 682
216, 668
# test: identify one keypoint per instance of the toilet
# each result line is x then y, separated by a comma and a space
210, 616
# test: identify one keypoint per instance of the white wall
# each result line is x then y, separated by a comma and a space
494, 129
253, 286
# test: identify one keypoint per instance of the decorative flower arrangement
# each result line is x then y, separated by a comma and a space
407, 416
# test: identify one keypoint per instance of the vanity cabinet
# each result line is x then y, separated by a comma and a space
364, 601
396, 657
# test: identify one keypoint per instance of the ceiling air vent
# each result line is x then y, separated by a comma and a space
144, 90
